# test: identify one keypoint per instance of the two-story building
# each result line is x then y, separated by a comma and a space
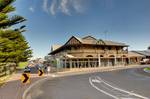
91, 52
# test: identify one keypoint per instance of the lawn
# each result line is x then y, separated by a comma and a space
22, 65
147, 68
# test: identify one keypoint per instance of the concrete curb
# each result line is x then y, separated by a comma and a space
63, 74
26, 92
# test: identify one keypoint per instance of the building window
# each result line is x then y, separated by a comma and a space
103, 47
109, 48
89, 56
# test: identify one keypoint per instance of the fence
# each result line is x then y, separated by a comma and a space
7, 69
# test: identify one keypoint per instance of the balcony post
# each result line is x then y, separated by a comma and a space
70, 64
99, 60
115, 60
122, 61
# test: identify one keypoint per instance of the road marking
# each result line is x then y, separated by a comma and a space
128, 92
90, 80
96, 81
99, 80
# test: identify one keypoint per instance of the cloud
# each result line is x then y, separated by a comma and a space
64, 6
53, 7
31, 9
45, 5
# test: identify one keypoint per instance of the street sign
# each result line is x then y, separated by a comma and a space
40, 72
25, 78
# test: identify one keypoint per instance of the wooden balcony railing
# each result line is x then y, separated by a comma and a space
97, 51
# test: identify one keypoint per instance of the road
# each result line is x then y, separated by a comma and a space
14, 89
119, 84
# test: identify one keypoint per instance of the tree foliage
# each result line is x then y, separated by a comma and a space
13, 45
148, 48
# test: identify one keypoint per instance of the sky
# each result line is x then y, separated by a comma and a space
52, 22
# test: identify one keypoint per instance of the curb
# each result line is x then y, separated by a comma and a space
26, 92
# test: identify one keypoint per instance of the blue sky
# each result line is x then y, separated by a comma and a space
54, 21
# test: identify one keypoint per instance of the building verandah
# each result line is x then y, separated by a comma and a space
92, 62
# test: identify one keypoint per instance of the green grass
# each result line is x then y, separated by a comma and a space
22, 65
147, 68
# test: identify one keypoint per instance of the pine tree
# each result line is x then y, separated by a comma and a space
148, 48
13, 45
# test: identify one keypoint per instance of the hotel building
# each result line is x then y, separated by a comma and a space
91, 52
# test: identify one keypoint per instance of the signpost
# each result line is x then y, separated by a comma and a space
48, 69
40, 72
25, 78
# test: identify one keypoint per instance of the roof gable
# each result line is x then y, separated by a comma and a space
73, 40
89, 38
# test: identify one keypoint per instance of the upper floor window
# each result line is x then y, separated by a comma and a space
103, 47
89, 56
109, 48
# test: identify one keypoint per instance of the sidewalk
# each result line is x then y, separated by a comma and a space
92, 70
17, 76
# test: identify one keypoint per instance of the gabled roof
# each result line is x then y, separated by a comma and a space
75, 38
89, 40
92, 40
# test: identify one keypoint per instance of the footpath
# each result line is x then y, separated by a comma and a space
76, 71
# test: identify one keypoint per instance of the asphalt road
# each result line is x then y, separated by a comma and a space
15, 89
120, 84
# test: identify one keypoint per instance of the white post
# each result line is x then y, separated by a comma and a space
65, 63
115, 60
122, 61
70, 64
99, 60
108, 62
129, 60
48, 70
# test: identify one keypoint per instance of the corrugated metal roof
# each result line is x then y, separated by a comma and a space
145, 52
134, 54
87, 40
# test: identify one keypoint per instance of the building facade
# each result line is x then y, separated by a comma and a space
91, 52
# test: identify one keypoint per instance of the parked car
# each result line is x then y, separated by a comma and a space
145, 61
27, 69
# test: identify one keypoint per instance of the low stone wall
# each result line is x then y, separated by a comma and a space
7, 69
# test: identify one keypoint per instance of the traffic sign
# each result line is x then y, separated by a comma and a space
25, 78
40, 72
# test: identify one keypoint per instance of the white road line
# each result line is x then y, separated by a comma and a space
90, 80
128, 92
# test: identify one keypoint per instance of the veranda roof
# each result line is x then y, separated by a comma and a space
134, 54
